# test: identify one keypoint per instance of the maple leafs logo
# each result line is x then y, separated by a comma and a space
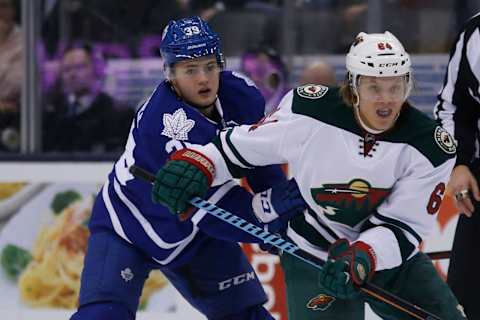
127, 274
176, 126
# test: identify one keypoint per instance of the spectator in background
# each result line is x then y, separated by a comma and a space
458, 110
267, 70
78, 115
11, 71
318, 72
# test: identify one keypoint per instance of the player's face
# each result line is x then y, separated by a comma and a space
381, 99
197, 80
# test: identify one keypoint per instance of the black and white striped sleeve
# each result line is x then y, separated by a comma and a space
458, 107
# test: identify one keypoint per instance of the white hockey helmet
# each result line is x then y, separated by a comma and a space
377, 55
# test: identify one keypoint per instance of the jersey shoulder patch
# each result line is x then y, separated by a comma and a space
325, 105
444, 140
421, 132
312, 91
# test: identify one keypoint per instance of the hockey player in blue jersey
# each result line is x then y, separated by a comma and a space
197, 99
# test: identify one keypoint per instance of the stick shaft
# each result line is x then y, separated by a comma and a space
439, 255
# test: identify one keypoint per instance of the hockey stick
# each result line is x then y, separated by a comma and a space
290, 248
439, 255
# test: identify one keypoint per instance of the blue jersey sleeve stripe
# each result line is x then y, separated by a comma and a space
178, 249
162, 256
117, 226
147, 227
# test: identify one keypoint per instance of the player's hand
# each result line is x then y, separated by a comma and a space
277, 205
348, 266
186, 175
462, 179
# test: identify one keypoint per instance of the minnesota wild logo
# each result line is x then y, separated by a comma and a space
320, 302
445, 141
349, 203
312, 91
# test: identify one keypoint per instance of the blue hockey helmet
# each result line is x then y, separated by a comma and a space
189, 38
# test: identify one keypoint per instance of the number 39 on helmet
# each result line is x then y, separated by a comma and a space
189, 38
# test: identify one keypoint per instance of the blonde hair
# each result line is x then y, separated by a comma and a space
348, 97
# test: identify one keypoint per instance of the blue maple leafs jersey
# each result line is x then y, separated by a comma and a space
161, 126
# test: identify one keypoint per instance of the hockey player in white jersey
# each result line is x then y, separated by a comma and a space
373, 171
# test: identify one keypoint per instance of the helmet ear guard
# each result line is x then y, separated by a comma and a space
352, 83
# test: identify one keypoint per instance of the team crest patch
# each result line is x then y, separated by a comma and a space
320, 302
176, 126
341, 202
127, 274
312, 91
445, 140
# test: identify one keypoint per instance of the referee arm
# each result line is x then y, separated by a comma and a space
458, 107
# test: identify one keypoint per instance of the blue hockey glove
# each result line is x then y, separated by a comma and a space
187, 174
276, 206
348, 266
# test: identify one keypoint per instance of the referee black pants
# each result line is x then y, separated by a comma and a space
464, 268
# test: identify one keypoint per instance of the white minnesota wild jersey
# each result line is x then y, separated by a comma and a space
382, 189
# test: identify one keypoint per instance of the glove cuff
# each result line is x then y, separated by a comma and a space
364, 251
197, 159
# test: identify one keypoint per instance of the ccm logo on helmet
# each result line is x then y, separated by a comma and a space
388, 65
235, 281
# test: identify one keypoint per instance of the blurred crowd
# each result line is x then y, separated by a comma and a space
11, 72
79, 37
